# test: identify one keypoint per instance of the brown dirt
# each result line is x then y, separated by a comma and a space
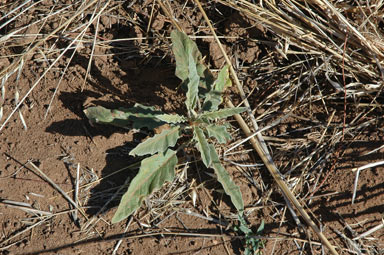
65, 138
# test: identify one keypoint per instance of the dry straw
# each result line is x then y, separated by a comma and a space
329, 39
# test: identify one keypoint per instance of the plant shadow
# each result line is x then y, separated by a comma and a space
142, 85
116, 158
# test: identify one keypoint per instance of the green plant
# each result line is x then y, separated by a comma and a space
252, 244
203, 97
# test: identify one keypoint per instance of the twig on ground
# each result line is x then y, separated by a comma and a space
260, 147
121, 240
42, 175
357, 170
370, 231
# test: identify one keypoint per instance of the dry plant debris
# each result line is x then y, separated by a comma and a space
311, 74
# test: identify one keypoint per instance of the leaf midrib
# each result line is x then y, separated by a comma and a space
153, 172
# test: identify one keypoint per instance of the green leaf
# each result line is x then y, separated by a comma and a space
222, 113
213, 98
219, 132
158, 143
183, 47
144, 116
101, 115
207, 80
212, 101
172, 118
223, 79
154, 171
202, 146
230, 188
252, 245
193, 86
139, 116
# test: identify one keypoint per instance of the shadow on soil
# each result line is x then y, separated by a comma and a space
363, 194
74, 101
134, 235
122, 86
143, 87
117, 158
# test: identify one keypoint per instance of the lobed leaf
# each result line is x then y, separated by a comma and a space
159, 143
183, 47
222, 113
202, 146
139, 116
144, 116
223, 177
213, 97
252, 244
223, 79
219, 132
207, 80
154, 172
101, 115
172, 118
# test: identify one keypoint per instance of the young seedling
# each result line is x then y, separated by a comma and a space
199, 124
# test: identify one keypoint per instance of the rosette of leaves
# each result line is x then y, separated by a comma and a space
203, 97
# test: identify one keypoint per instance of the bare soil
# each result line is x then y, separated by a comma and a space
122, 75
